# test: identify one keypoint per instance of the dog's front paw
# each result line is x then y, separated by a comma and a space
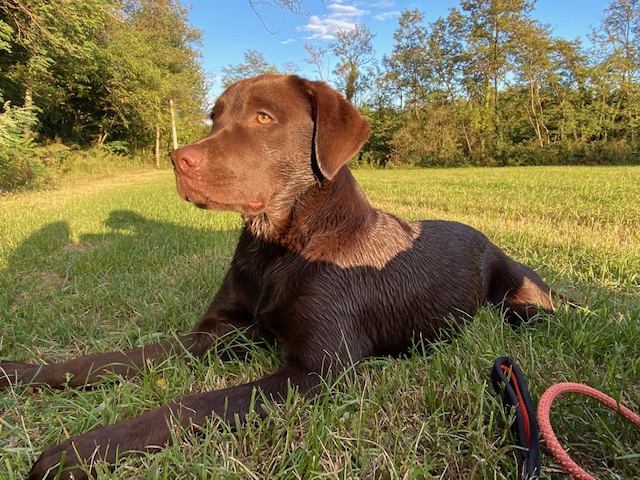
77, 457
60, 462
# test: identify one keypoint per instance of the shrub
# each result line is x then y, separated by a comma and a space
616, 152
20, 164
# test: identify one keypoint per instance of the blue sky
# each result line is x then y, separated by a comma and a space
231, 27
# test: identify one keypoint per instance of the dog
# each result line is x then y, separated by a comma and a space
317, 269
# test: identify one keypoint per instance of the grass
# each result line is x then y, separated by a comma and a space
121, 261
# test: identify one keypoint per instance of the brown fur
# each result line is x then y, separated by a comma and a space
316, 268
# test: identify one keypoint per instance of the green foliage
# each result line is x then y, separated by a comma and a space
19, 164
568, 153
489, 85
415, 144
63, 160
354, 51
102, 71
254, 64
150, 59
384, 123
485, 85
6, 33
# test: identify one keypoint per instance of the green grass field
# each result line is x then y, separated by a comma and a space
122, 261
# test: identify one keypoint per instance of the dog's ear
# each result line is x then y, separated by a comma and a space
339, 128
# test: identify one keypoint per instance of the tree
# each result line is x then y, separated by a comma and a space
294, 6
316, 58
554, 76
164, 69
407, 67
254, 64
533, 65
425, 66
39, 37
100, 70
617, 46
444, 53
492, 39
354, 51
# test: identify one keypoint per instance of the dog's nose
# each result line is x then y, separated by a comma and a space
187, 158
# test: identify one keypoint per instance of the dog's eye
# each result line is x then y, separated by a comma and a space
263, 118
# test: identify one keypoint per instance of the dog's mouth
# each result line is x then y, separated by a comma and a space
197, 202
186, 191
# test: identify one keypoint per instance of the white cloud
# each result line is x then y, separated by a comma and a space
345, 11
344, 15
326, 28
381, 17
383, 4
340, 16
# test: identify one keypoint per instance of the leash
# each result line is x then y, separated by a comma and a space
507, 374
550, 439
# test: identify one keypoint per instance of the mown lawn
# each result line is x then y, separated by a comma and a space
122, 261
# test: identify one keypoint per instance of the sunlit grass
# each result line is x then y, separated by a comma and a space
121, 261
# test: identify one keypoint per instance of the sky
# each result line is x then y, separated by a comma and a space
231, 27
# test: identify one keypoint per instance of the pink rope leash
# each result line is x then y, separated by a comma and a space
544, 406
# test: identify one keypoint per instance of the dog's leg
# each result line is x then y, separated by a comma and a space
152, 430
225, 315
530, 296
519, 290
88, 369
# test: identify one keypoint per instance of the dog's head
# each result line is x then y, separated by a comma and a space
273, 136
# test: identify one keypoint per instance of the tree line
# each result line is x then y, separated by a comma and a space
489, 85
485, 85
98, 73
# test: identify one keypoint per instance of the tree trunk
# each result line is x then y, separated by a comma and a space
174, 133
466, 137
28, 103
533, 114
101, 139
157, 146
350, 87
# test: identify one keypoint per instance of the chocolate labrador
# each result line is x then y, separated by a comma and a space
317, 269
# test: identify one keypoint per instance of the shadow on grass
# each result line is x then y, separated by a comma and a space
57, 285
129, 231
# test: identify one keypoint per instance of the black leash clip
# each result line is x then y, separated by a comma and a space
506, 376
